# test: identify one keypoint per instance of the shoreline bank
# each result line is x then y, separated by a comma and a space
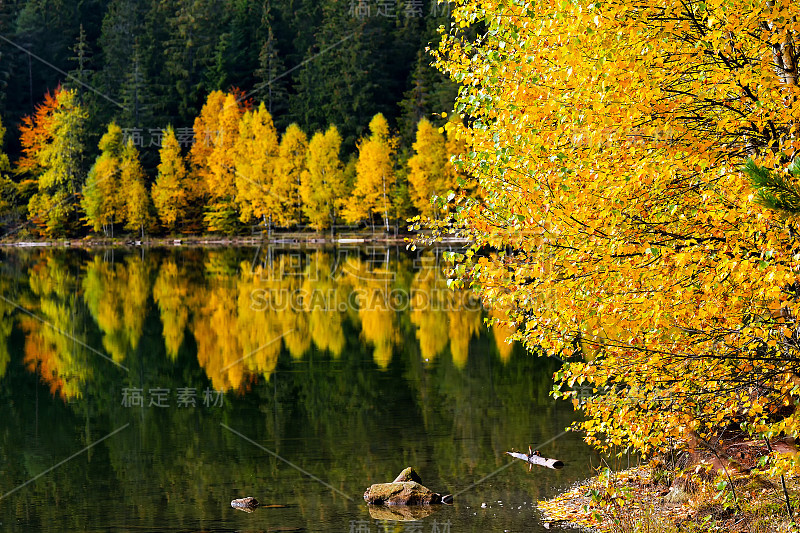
634, 500
289, 239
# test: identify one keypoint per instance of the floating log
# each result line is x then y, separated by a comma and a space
536, 459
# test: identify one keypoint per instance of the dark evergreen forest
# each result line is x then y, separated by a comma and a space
149, 63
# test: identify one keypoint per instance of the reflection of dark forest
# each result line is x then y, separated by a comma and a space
352, 389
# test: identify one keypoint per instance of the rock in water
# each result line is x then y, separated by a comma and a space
245, 504
409, 474
406, 489
401, 493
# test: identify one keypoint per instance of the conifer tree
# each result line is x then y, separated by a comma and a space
138, 207
170, 193
322, 184
254, 156
58, 155
375, 174
189, 52
427, 174
338, 85
289, 168
102, 196
80, 77
271, 81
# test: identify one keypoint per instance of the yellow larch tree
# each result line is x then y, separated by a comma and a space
427, 172
375, 174
220, 176
289, 168
322, 186
206, 130
170, 191
53, 143
138, 208
102, 200
254, 157
8, 189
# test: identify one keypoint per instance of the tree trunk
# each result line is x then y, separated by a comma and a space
385, 206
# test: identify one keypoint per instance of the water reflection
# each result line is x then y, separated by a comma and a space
350, 364
240, 313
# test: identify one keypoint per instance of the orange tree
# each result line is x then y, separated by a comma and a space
608, 142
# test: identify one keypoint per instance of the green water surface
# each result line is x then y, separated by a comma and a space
143, 390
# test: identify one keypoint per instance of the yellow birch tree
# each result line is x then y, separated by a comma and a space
608, 140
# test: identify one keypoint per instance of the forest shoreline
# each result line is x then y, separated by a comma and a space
309, 239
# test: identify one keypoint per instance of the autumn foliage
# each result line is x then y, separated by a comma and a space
239, 171
608, 142
53, 144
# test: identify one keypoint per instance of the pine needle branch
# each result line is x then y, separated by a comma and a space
775, 190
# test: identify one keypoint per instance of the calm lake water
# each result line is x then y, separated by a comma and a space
142, 390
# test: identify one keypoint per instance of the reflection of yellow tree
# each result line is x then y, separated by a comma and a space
502, 329
322, 304
271, 290
260, 329
291, 319
441, 314
238, 336
55, 347
214, 328
465, 323
116, 295
427, 307
170, 292
373, 289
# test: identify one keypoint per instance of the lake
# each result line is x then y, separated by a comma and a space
144, 389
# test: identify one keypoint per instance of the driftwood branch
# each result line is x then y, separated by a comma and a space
538, 460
